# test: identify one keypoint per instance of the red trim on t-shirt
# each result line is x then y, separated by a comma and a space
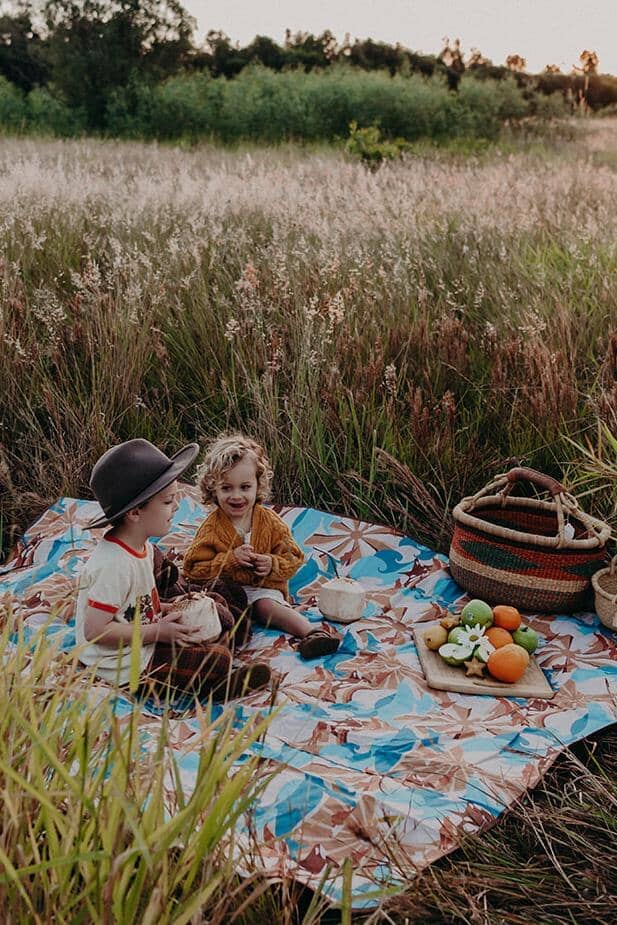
133, 552
156, 601
98, 605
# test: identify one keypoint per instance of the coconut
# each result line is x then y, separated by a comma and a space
342, 600
200, 610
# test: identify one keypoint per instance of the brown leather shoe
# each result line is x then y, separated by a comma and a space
242, 681
319, 643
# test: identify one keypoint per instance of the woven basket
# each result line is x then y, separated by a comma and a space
536, 555
605, 586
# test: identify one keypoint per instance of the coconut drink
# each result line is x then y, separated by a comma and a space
342, 600
199, 610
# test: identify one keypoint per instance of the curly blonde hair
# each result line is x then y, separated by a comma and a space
222, 454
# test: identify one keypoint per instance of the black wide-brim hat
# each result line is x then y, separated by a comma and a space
131, 473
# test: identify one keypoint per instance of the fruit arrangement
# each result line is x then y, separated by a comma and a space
484, 638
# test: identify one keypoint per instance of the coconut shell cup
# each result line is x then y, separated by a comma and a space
342, 600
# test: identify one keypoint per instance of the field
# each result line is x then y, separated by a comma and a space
395, 338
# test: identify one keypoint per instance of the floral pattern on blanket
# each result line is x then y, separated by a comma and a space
372, 764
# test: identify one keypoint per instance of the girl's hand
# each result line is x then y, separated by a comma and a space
245, 556
169, 629
263, 565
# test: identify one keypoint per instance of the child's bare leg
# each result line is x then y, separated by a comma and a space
315, 641
281, 617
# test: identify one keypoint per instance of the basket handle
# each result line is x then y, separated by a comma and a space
565, 503
520, 473
557, 491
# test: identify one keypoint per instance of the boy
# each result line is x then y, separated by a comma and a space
135, 484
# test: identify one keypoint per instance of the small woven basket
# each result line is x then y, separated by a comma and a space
533, 554
605, 587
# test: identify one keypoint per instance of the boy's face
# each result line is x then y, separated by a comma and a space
156, 515
236, 490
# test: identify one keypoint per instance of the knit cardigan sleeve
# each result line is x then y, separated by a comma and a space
287, 557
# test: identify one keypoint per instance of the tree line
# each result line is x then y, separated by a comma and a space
83, 52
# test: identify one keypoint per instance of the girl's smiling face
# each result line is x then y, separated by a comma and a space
236, 490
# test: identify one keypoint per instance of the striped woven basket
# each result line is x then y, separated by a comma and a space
536, 555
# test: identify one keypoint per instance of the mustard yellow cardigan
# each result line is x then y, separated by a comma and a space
210, 554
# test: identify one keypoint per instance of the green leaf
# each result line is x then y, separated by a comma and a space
136, 647
186, 912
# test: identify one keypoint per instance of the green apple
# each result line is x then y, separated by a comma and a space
477, 612
483, 650
458, 635
526, 637
453, 654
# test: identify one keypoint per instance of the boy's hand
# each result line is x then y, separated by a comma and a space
262, 564
245, 556
169, 629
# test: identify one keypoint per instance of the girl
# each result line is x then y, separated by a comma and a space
249, 543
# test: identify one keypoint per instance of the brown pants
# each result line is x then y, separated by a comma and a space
198, 670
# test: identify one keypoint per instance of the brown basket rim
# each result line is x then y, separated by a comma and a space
461, 515
595, 581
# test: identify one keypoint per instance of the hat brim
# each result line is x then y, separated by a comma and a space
180, 461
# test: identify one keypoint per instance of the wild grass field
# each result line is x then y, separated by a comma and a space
395, 338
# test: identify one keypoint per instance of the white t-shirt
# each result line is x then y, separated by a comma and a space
118, 580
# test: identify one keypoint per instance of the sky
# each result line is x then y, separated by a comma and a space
542, 31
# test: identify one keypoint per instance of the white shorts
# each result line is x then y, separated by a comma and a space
258, 594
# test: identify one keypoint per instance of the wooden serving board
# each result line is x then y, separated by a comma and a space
444, 677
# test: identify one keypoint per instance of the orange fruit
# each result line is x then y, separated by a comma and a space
508, 663
498, 636
508, 618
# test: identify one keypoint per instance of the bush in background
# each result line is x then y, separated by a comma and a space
262, 105
13, 107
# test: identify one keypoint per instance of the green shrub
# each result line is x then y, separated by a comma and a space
130, 111
552, 107
13, 107
186, 105
370, 147
482, 108
48, 114
262, 105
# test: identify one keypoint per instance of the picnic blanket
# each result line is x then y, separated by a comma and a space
372, 764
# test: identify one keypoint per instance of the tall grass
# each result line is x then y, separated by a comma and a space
451, 313
96, 824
